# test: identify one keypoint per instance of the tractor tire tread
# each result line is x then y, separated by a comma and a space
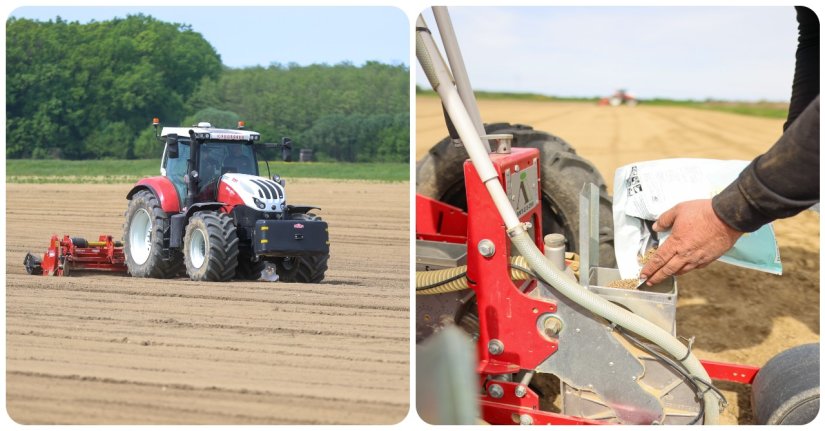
221, 255
155, 266
439, 175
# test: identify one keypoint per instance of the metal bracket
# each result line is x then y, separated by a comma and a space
501, 142
588, 231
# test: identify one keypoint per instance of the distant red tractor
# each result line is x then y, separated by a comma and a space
620, 97
210, 214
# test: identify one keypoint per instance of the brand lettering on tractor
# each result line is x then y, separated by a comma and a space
229, 136
298, 226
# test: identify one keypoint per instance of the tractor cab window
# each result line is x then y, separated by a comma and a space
176, 168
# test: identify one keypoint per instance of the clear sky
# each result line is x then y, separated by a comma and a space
731, 53
249, 36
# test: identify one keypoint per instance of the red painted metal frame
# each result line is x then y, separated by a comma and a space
64, 257
509, 408
505, 313
437, 221
736, 373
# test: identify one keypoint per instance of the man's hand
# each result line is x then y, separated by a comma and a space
698, 237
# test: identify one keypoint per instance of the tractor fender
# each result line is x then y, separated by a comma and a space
203, 206
163, 189
301, 209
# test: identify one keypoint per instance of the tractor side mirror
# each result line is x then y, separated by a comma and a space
286, 149
172, 146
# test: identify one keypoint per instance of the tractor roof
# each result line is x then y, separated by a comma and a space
214, 133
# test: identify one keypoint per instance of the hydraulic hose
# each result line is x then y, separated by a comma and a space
455, 279
438, 75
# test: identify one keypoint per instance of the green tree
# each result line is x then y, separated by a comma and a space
68, 83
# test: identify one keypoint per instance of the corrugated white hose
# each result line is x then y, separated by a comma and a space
439, 77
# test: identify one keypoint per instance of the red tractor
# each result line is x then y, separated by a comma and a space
620, 97
210, 214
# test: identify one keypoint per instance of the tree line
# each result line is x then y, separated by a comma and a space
85, 91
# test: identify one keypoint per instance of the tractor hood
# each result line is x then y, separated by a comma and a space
259, 193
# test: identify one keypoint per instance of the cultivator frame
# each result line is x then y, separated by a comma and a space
66, 255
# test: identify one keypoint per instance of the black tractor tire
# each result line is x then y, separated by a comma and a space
143, 239
210, 247
786, 390
248, 269
302, 269
440, 175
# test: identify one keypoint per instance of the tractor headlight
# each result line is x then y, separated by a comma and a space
258, 203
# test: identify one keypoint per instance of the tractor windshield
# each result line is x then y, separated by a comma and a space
218, 158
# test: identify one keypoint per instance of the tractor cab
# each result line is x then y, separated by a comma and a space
199, 156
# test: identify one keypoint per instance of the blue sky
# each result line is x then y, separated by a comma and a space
248, 36
732, 53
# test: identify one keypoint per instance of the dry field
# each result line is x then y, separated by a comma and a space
736, 315
107, 349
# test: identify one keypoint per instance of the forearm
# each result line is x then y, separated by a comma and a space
806, 73
779, 183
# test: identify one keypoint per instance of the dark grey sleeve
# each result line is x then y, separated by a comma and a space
778, 184
806, 72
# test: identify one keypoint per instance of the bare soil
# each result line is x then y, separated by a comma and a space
100, 348
736, 315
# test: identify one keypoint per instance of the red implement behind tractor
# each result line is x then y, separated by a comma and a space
66, 255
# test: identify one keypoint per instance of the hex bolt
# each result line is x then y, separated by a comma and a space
521, 389
495, 390
552, 326
495, 347
486, 248
525, 420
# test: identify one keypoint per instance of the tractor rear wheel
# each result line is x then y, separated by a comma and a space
143, 239
302, 269
440, 175
210, 247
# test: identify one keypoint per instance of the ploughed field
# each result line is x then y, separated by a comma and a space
98, 348
737, 315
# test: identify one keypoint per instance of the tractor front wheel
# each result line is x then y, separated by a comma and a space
302, 269
210, 247
249, 269
143, 239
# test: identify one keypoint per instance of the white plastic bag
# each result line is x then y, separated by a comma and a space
645, 190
